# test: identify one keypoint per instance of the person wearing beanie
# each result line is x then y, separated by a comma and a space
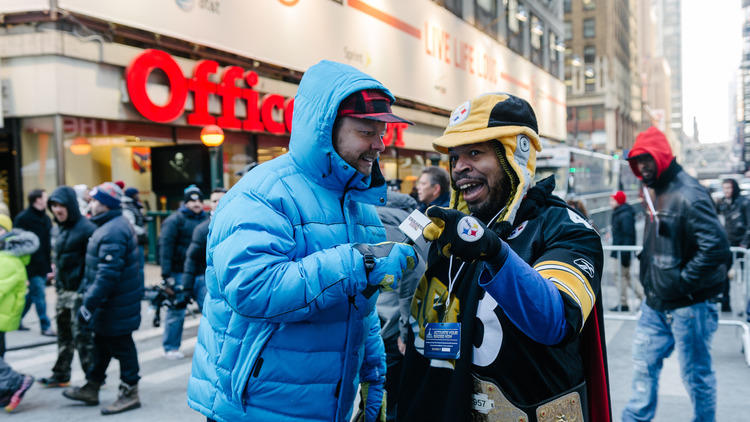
74, 231
623, 233
39, 269
15, 247
174, 240
683, 268
112, 289
509, 308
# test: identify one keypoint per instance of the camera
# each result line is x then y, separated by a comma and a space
167, 293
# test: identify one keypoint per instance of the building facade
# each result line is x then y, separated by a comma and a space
601, 74
669, 16
655, 75
743, 89
95, 91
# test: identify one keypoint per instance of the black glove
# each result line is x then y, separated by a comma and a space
461, 235
84, 316
181, 298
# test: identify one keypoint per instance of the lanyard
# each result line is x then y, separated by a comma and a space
650, 204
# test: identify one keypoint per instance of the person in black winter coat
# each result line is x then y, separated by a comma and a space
112, 291
70, 255
394, 307
174, 240
736, 211
623, 233
35, 219
193, 280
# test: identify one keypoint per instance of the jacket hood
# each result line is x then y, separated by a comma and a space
735, 188
19, 242
401, 201
66, 196
316, 104
653, 142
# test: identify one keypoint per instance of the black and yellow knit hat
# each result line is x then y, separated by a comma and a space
489, 116
511, 121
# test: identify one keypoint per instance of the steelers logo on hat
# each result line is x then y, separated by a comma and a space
460, 113
469, 229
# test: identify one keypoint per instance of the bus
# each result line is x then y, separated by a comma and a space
589, 177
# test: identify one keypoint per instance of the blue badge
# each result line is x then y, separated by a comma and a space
442, 340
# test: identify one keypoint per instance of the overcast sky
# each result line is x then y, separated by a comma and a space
711, 53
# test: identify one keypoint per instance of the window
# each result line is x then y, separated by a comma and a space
567, 6
589, 5
485, 16
510, 12
537, 30
568, 30
589, 54
455, 6
589, 28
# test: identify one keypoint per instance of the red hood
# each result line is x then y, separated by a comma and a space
653, 142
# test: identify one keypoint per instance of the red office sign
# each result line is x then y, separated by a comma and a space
260, 111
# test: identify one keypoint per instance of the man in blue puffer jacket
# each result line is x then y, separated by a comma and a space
289, 327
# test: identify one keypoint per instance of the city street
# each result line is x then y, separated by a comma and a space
163, 382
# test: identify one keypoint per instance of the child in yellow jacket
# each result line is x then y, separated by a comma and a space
15, 248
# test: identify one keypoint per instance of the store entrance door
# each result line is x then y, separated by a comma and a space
10, 180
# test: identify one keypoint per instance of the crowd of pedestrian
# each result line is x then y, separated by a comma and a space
94, 257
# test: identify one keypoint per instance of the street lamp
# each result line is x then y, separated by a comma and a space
212, 136
80, 146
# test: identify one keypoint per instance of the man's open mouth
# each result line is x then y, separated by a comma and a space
471, 189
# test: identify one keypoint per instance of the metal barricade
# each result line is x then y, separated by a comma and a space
614, 275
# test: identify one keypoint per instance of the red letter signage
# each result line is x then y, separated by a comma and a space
136, 75
259, 114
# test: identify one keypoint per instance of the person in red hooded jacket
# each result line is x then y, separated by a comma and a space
682, 270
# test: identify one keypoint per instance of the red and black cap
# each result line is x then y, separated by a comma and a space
371, 104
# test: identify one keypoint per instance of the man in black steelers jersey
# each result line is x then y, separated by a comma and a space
506, 322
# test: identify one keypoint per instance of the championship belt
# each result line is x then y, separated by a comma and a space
489, 404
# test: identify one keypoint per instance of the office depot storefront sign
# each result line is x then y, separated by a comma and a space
260, 111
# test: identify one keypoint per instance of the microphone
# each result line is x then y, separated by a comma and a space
412, 227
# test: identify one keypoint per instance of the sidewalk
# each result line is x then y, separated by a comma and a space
33, 337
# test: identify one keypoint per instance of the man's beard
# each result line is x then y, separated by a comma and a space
496, 200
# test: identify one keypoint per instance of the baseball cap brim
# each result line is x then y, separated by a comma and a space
381, 117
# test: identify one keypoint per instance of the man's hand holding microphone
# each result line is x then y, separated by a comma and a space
385, 264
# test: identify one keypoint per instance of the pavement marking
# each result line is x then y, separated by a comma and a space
611, 329
151, 354
160, 377
138, 336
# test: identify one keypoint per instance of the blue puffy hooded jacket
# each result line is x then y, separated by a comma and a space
286, 333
